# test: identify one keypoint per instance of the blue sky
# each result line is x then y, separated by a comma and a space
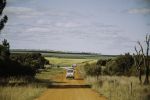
101, 26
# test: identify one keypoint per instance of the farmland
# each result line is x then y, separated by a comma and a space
63, 62
63, 54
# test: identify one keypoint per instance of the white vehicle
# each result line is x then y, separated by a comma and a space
74, 65
70, 73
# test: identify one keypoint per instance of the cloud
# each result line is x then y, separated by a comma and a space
37, 29
139, 11
67, 24
35, 24
20, 10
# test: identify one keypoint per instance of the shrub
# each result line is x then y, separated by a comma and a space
101, 62
12, 68
35, 60
92, 69
122, 65
19, 64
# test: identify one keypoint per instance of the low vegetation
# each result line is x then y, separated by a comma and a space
117, 79
93, 70
120, 87
20, 93
27, 88
23, 76
25, 64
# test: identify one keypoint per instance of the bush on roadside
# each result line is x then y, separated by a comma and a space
12, 68
20, 64
122, 65
92, 69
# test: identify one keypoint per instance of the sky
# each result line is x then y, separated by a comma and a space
99, 26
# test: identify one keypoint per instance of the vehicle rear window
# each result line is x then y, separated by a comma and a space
70, 71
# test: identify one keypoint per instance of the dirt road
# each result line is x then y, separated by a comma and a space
66, 89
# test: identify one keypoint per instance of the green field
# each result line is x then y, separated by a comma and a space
62, 59
64, 62
61, 54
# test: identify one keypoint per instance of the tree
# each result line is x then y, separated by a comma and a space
121, 65
101, 62
4, 51
145, 57
3, 21
93, 70
138, 59
4, 18
6, 46
97, 71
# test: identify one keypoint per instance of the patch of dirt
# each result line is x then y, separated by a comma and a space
70, 89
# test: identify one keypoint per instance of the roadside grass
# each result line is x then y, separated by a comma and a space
20, 93
50, 73
120, 87
24, 89
63, 62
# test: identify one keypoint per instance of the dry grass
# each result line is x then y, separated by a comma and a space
25, 88
20, 89
20, 93
120, 88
